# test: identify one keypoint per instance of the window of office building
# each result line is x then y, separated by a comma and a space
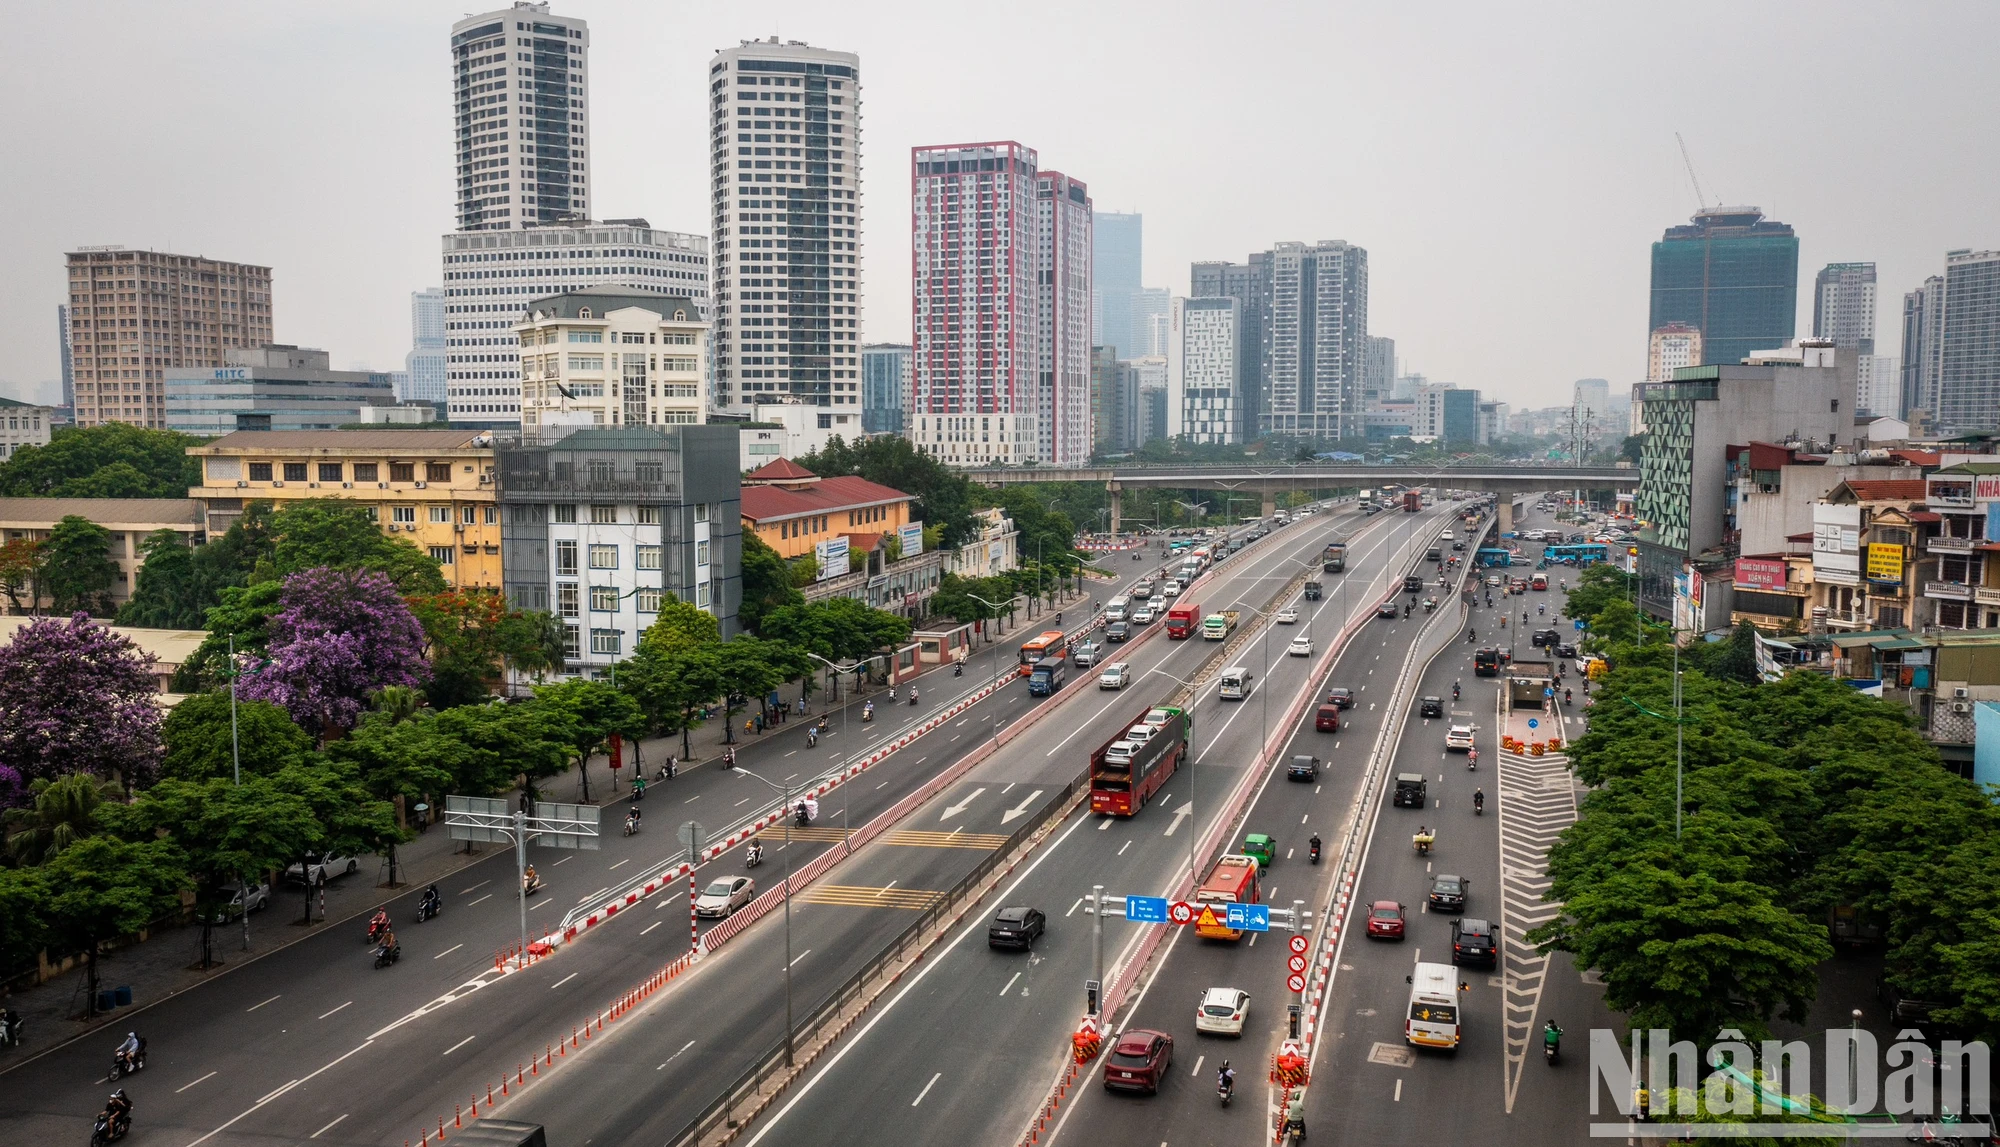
442, 554
701, 553
437, 471
603, 515
647, 600
565, 558
603, 557
329, 471
366, 471
604, 598
295, 471
440, 515
649, 515
605, 641
568, 599
649, 557
260, 471
402, 471
403, 515
565, 513
572, 642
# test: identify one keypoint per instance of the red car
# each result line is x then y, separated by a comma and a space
1139, 1061
1385, 920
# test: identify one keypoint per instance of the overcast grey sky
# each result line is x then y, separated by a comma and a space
1506, 166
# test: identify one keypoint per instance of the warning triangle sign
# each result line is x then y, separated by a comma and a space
1207, 919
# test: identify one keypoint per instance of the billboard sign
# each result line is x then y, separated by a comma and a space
1760, 573
1885, 563
912, 537
1986, 488
1837, 538
832, 557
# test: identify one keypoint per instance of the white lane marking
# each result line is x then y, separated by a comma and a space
927, 1089
674, 1056
447, 951
619, 865
650, 927
741, 803
561, 982
800, 956
460, 1044
1121, 850
1399, 1089
1197, 1064
1003, 991
476, 903
692, 799
1104, 824
543, 904
473, 889
325, 1129
254, 1007
246, 1112
1073, 908
563, 861
210, 1075
323, 1015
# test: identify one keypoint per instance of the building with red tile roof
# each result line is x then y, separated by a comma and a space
792, 509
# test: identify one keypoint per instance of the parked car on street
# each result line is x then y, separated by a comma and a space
319, 868
231, 900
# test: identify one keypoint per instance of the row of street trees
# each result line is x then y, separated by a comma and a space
1795, 797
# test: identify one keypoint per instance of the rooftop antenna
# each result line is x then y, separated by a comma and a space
1699, 201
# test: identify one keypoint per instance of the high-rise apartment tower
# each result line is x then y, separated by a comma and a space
785, 186
520, 117
1733, 275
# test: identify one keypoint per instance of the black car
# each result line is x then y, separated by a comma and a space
1411, 791
1340, 695
1117, 631
1303, 768
1413, 584
1448, 892
1431, 707
1386, 609
1474, 942
1016, 928
1566, 650
1458, 545
1547, 637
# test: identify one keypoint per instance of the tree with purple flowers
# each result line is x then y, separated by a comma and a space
76, 697
339, 636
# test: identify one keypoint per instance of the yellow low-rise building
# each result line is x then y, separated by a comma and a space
431, 487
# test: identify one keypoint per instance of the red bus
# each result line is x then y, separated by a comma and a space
1125, 773
1233, 881
1413, 500
1050, 644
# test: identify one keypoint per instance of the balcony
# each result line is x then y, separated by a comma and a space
1948, 590
1955, 494
1986, 594
1946, 544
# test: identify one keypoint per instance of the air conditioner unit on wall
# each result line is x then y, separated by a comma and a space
1961, 693
1961, 706
422, 485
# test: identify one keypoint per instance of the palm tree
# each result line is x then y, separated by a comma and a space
400, 702
63, 812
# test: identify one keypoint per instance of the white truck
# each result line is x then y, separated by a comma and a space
1217, 626
1117, 609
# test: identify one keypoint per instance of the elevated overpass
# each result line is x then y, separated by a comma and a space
1267, 480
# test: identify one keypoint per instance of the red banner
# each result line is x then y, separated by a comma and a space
1760, 573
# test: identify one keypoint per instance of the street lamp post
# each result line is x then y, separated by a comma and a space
787, 791
995, 681
1194, 825
833, 673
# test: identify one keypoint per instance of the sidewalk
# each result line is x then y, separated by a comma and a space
165, 962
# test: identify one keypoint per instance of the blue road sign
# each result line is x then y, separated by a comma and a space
1534, 723
1146, 909
1249, 917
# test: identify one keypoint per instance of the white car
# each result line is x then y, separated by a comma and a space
1446, 536
1171, 589
1143, 615
1141, 733
1115, 676
1222, 1011
319, 869
1458, 739
1287, 616
1156, 717
1493, 580
234, 899
725, 895
1301, 646
1158, 602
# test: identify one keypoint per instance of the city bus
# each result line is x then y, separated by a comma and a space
1232, 881
1581, 554
1050, 644
1487, 557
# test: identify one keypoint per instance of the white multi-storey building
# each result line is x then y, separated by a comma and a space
597, 358
1204, 401
785, 159
490, 277
522, 140
1062, 318
426, 368
1319, 339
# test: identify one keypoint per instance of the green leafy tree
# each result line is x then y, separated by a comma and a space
23, 922
531, 741
102, 888
199, 746
943, 498
60, 812
674, 690
680, 626
595, 711
351, 821
115, 460
750, 669
473, 637
767, 582
77, 572
167, 594
340, 535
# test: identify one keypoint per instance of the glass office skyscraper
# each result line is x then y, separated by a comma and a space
1733, 275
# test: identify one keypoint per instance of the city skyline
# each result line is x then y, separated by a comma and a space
346, 281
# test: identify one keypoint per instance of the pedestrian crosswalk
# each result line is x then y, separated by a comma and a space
911, 838
1537, 802
777, 833
861, 896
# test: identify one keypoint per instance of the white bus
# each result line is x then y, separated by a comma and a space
1234, 685
1433, 1018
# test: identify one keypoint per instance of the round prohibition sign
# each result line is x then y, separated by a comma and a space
1296, 983
1298, 944
1297, 963
1181, 912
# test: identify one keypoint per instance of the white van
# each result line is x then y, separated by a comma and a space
1234, 684
1433, 1018
1114, 610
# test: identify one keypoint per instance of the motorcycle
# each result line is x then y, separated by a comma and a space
753, 857
958, 669
1551, 1044
1312, 854
638, 790
1454, 690
386, 956
1478, 804
377, 925
668, 770
123, 1065
1471, 636
1225, 1091
10, 1027
108, 1129
531, 885
868, 712
428, 908
913, 695
631, 824
1423, 842
801, 816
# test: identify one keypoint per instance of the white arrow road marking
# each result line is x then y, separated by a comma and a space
1180, 814
961, 806
1020, 809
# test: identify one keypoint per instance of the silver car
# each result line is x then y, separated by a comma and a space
725, 895
1116, 675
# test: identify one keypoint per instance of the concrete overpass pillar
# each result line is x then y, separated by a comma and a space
1270, 502
1117, 496
1506, 514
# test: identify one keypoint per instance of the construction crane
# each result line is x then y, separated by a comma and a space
1700, 202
